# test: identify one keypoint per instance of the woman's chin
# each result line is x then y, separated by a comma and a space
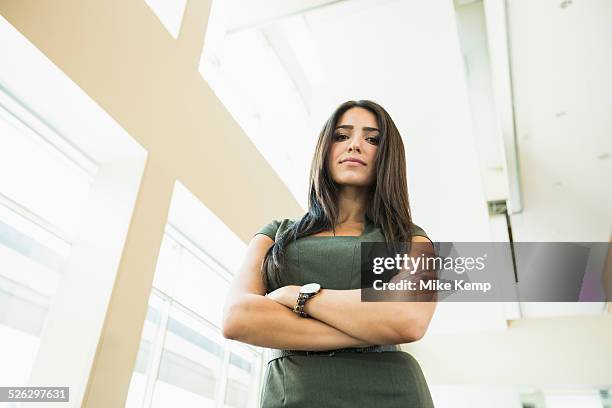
353, 182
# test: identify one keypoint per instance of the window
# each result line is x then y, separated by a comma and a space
183, 359
191, 357
242, 376
43, 186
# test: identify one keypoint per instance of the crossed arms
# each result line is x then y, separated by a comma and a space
338, 318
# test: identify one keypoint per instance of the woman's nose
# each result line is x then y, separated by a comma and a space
354, 144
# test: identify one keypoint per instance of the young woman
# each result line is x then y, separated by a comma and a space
298, 289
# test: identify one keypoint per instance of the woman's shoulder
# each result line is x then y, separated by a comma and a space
417, 230
274, 228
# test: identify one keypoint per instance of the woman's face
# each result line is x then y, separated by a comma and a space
351, 159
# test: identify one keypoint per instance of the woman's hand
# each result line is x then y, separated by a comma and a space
285, 295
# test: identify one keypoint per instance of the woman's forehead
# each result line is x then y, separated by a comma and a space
357, 117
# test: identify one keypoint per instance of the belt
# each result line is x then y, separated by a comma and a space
276, 353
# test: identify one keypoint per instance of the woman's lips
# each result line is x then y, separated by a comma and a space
353, 163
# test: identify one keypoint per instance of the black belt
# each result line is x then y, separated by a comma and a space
276, 353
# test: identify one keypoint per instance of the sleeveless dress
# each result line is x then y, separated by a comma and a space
390, 379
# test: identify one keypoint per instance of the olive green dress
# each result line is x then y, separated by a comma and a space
372, 379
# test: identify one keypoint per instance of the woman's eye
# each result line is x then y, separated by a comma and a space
373, 140
338, 136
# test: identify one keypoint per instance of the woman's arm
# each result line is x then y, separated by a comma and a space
251, 317
376, 322
261, 321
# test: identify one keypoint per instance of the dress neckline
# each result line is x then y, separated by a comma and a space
367, 228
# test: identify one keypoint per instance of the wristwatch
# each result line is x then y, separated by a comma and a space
306, 292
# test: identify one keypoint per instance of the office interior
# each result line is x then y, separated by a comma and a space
144, 142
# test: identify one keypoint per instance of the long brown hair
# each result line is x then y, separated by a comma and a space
388, 207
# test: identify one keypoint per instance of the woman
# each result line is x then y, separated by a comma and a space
358, 193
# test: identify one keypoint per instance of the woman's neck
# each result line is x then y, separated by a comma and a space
352, 204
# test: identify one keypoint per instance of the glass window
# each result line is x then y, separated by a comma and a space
242, 375
191, 277
39, 178
42, 191
183, 359
201, 287
190, 364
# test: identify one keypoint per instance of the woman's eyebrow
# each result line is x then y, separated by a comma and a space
367, 128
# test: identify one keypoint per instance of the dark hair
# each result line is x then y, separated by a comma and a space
388, 207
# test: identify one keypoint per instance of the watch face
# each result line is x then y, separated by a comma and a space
310, 288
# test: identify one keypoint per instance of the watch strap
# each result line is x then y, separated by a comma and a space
300, 303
